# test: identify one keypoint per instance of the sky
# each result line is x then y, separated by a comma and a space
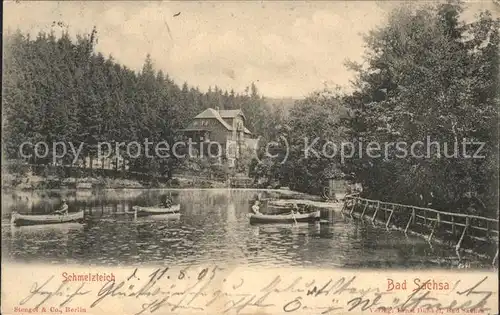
289, 49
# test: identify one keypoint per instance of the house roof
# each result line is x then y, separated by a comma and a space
220, 115
212, 113
223, 113
231, 113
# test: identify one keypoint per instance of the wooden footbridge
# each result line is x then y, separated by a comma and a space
461, 230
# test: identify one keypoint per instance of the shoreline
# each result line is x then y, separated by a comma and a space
291, 194
33, 183
286, 194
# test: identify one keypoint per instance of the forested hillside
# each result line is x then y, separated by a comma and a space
58, 89
431, 78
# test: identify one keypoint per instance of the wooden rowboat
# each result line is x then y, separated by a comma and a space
284, 218
270, 208
145, 211
169, 216
34, 219
277, 210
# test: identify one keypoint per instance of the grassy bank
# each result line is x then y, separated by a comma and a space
30, 181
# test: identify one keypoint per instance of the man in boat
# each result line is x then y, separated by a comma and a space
64, 208
167, 201
256, 207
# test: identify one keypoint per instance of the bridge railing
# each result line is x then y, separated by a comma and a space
459, 227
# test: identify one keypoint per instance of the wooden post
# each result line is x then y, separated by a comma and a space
375, 213
459, 244
436, 224
390, 216
412, 216
453, 227
495, 258
488, 230
344, 205
432, 232
348, 204
353, 206
364, 209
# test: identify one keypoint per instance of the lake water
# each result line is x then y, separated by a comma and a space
212, 228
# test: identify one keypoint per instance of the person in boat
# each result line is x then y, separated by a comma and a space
167, 202
64, 208
256, 207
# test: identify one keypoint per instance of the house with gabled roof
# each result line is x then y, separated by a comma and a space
225, 127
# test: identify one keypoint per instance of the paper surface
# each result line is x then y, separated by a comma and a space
241, 290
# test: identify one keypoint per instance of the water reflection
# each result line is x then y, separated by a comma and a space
212, 227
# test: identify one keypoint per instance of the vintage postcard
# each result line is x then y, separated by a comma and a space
250, 157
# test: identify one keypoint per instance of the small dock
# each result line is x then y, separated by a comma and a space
302, 202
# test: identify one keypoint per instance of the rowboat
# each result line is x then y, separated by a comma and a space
167, 217
145, 211
33, 219
275, 210
267, 206
285, 208
284, 218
